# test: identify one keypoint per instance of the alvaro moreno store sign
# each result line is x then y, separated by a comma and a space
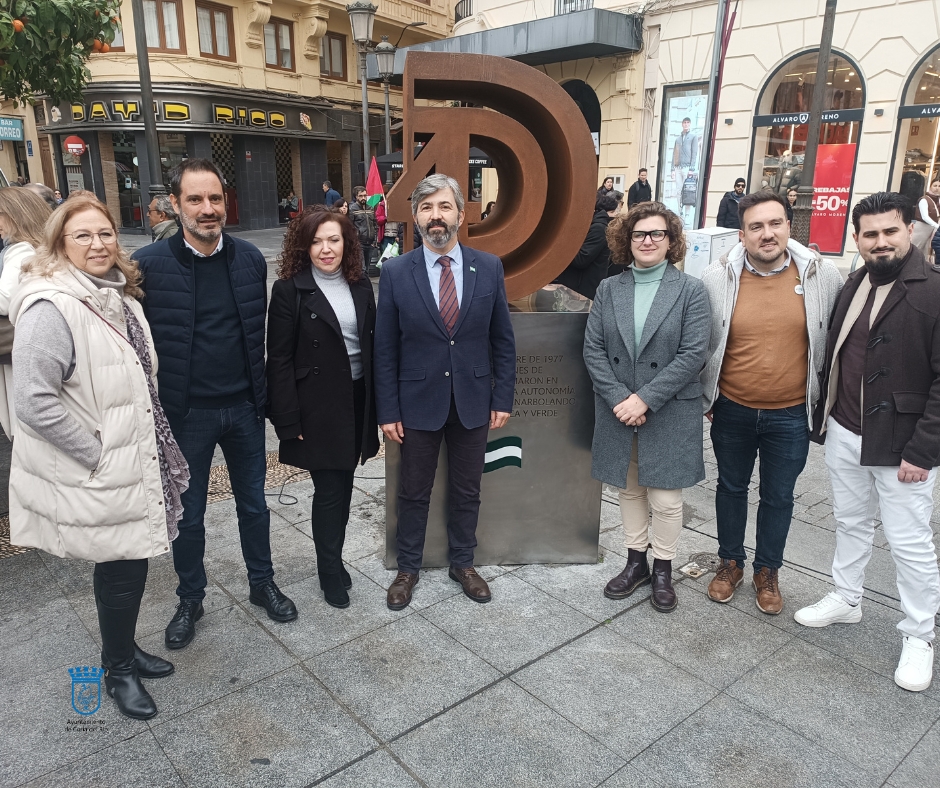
218, 112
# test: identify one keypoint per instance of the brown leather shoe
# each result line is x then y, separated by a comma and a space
635, 574
769, 599
474, 586
399, 592
728, 577
663, 595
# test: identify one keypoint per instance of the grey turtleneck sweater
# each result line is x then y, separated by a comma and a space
45, 358
336, 289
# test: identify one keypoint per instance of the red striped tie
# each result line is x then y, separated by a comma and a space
447, 295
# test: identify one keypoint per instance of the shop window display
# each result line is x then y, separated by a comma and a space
780, 135
681, 133
918, 148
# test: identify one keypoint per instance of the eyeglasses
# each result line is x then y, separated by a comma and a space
656, 236
84, 238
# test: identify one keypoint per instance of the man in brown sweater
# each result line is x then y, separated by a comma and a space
770, 299
880, 420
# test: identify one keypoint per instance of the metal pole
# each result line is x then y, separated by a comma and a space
803, 208
710, 112
155, 187
366, 158
388, 124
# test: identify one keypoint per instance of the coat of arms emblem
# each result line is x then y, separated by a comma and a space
86, 689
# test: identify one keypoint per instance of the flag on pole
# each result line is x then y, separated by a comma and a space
374, 191
503, 452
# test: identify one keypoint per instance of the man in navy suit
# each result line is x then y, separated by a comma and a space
445, 369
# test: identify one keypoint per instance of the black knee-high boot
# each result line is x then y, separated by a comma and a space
118, 595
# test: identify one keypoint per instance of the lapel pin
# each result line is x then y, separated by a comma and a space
473, 269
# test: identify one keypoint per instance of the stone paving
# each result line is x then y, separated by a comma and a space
551, 684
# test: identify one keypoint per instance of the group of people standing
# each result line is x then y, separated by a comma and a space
776, 353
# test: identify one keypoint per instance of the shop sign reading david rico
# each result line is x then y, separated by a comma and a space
197, 112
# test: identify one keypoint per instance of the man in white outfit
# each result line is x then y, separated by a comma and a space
880, 420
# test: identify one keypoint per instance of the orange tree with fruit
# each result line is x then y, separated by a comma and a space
45, 45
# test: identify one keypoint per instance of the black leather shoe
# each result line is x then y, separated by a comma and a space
635, 574
347, 580
132, 698
334, 590
663, 595
182, 627
270, 597
149, 666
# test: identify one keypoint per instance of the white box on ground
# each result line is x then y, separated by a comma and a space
705, 246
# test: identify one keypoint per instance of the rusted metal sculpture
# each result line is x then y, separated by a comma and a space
538, 142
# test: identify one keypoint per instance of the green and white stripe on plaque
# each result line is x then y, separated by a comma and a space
503, 452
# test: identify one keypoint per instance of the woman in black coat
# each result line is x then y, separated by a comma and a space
320, 391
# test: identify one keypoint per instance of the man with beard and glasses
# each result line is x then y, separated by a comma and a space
770, 303
880, 421
206, 293
445, 369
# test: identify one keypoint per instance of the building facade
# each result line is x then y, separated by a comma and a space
267, 89
646, 105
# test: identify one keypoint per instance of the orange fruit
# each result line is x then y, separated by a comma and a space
105, 48
18, 25
97, 45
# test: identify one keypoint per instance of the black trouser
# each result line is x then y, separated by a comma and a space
466, 450
332, 493
119, 587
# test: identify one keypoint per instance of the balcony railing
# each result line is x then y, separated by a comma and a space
463, 9
571, 6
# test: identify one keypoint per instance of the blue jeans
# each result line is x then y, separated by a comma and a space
781, 437
240, 434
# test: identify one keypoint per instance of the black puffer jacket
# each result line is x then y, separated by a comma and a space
589, 268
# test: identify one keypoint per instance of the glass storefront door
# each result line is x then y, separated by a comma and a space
918, 148
128, 179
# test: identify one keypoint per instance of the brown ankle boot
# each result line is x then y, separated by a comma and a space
663, 596
769, 599
635, 574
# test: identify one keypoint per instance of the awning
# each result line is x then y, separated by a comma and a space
392, 161
555, 39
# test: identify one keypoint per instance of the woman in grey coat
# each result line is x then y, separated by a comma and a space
644, 347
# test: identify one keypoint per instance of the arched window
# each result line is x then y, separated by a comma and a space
918, 140
781, 124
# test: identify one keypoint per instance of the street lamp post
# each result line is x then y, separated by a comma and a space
155, 168
803, 208
361, 18
385, 57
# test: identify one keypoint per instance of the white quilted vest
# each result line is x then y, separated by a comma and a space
56, 504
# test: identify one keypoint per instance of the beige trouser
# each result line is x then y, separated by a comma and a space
635, 505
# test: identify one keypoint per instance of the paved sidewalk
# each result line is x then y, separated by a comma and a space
551, 684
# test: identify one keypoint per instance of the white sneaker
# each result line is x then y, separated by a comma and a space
831, 609
915, 669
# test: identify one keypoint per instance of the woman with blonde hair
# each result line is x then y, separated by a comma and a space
644, 346
22, 216
96, 473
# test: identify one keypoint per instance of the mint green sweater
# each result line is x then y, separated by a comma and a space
645, 288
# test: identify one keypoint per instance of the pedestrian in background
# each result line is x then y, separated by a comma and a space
728, 207
932, 200
364, 219
791, 201
606, 187
913, 188
330, 195
589, 266
644, 347
641, 191
320, 391
98, 475
341, 206
23, 215
770, 301
205, 297
162, 218
882, 430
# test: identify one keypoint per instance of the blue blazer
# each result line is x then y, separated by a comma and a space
418, 364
